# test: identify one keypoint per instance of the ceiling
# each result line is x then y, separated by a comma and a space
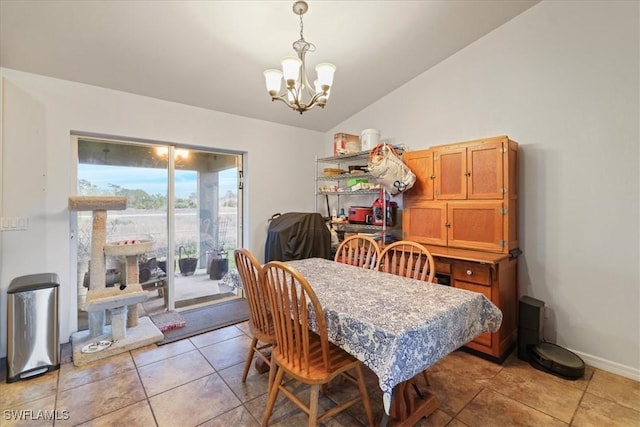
211, 54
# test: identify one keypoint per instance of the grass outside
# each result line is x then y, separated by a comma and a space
152, 224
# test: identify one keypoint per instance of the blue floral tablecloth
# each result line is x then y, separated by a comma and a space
396, 326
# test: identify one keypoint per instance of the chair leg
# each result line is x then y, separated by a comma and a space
272, 371
273, 395
365, 396
314, 396
247, 364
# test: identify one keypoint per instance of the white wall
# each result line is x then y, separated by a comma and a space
562, 79
37, 167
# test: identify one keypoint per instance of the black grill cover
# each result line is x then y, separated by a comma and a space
297, 235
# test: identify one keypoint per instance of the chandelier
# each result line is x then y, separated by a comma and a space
295, 76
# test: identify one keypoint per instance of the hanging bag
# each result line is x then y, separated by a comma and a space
389, 170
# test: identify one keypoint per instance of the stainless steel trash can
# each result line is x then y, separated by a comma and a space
33, 345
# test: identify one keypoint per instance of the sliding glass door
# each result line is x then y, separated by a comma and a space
186, 200
206, 224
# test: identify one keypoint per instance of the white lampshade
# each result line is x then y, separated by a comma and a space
325, 73
274, 80
291, 68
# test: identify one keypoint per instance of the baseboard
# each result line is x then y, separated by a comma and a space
609, 366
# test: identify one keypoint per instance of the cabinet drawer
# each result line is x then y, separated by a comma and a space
443, 266
472, 272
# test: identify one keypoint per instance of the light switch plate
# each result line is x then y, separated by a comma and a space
18, 223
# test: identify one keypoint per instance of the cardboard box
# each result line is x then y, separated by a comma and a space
344, 143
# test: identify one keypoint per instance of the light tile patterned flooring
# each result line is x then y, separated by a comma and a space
196, 382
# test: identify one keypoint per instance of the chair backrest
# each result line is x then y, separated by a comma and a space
361, 251
249, 270
295, 307
408, 259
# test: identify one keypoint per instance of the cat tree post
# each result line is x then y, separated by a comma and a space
130, 250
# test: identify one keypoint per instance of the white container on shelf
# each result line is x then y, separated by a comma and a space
369, 138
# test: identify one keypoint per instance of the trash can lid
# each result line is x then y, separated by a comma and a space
33, 282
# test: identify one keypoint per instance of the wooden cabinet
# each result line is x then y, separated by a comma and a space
494, 276
485, 170
450, 178
464, 209
474, 201
475, 225
471, 170
425, 222
475, 277
421, 161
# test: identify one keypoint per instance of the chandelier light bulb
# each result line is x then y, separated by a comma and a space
322, 96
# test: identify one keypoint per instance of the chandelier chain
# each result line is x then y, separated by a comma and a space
301, 27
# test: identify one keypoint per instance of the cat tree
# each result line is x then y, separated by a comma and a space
126, 331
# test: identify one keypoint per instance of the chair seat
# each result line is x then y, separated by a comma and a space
268, 338
340, 361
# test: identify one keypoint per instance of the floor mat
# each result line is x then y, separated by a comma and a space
209, 318
168, 320
203, 299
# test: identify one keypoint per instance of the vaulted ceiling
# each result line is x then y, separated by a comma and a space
211, 54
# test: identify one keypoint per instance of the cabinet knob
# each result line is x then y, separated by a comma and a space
469, 272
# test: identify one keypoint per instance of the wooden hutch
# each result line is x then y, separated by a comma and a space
464, 208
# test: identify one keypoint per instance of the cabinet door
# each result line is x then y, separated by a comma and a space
476, 225
484, 339
450, 174
421, 164
425, 223
485, 171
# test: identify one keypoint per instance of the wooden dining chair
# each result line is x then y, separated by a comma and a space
260, 320
303, 355
408, 259
358, 250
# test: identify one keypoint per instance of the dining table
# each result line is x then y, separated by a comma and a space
396, 326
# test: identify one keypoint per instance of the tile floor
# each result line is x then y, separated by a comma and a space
196, 382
